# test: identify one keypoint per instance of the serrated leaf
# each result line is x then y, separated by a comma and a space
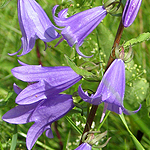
84, 73
141, 38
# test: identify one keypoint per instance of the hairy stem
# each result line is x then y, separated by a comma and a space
110, 60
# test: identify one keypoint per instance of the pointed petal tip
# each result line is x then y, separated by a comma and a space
127, 112
80, 53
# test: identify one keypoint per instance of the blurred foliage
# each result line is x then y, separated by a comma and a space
98, 43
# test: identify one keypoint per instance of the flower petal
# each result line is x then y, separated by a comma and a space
130, 12
34, 24
17, 89
84, 146
86, 98
80, 25
33, 93
113, 81
20, 114
53, 75
34, 132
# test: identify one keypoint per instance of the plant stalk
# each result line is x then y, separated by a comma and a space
110, 60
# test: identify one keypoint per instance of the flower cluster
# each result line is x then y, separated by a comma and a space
41, 101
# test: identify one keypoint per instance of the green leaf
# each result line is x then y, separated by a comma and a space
136, 142
74, 125
106, 39
141, 38
66, 140
14, 139
4, 102
87, 75
138, 91
1, 147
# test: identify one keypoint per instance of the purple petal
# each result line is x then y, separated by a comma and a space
21, 63
33, 93
89, 99
20, 114
113, 82
130, 12
53, 75
34, 24
127, 112
52, 80
17, 89
80, 25
34, 132
84, 146
49, 132
43, 113
80, 53
53, 108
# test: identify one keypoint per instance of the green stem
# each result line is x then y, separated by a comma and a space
111, 58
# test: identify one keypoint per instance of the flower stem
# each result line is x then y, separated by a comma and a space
38, 53
110, 60
58, 135
116, 42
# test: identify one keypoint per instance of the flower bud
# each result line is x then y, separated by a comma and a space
130, 12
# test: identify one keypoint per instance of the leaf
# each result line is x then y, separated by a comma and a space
137, 91
66, 140
14, 139
141, 38
1, 146
143, 124
4, 102
87, 75
74, 125
136, 142
106, 39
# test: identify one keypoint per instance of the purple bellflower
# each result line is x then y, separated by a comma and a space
110, 90
46, 81
130, 12
84, 146
42, 113
80, 25
34, 24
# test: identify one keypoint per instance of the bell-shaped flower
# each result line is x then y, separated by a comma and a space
84, 146
42, 113
110, 90
80, 25
34, 24
130, 12
45, 81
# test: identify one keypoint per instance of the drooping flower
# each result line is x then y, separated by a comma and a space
80, 25
47, 81
34, 24
130, 12
42, 113
84, 146
110, 90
